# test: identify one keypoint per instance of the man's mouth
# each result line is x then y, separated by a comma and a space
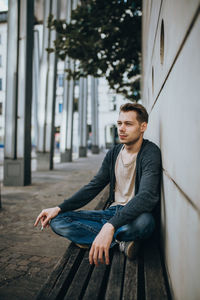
122, 135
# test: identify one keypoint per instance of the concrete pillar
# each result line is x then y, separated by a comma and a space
94, 112
82, 108
66, 131
66, 135
51, 92
17, 162
63, 127
48, 72
36, 67
42, 155
43, 79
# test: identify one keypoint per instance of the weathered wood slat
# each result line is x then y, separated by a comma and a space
62, 274
115, 281
97, 283
79, 283
154, 279
130, 290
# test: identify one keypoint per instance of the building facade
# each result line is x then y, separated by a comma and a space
171, 77
108, 101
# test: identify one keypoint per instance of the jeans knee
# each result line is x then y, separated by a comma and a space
54, 224
145, 224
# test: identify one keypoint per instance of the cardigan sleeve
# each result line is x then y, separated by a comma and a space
149, 190
89, 191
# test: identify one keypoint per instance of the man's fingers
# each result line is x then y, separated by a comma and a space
95, 256
91, 255
101, 256
38, 219
106, 253
45, 221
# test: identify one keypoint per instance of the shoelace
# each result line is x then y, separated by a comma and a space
122, 246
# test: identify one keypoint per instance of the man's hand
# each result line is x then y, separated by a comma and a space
46, 215
100, 246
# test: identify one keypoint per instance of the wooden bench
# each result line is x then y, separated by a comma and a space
74, 278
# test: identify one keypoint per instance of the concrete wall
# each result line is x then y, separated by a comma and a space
3, 54
171, 91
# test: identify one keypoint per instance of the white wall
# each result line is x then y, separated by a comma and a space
172, 99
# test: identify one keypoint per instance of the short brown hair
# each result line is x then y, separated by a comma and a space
142, 114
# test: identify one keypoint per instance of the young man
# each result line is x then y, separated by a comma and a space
133, 170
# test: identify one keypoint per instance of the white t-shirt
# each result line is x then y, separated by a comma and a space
125, 171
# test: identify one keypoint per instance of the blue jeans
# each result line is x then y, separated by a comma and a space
81, 227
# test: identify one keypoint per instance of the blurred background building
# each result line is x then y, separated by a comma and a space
59, 109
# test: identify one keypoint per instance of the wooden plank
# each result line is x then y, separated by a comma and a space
115, 281
154, 279
79, 283
97, 284
62, 274
130, 289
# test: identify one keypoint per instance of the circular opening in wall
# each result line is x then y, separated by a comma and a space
162, 42
152, 80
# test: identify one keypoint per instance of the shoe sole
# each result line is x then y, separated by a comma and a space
132, 250
82, 246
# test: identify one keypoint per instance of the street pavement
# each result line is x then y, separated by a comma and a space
27, 254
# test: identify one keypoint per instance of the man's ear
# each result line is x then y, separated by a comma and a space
143, 126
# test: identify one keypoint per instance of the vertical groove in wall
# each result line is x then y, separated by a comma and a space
154, 42
182, 192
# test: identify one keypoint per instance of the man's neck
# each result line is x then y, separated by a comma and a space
134, 148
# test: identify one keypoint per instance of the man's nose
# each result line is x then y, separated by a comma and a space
122, 127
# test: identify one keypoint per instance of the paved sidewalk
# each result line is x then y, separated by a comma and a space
27, 255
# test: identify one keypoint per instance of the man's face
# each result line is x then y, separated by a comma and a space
129, 129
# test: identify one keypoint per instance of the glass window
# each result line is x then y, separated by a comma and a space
0, 60
1, 108
60, 108
0, 84
60, 80
113, 106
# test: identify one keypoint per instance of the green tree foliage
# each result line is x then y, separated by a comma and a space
105, 38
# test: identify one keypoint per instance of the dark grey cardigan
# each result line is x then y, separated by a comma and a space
147, 184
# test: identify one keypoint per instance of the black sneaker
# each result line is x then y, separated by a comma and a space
130, 249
